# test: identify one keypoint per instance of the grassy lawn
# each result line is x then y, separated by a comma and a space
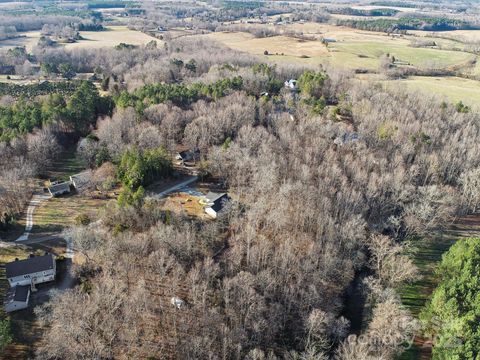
68, 163
113, 36
55, 214
427, 253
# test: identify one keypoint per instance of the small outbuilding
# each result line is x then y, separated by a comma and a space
82, 180
59, 188
187, 157
31, 271
17, 298
328, 40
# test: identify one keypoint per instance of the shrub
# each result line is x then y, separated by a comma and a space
82, 219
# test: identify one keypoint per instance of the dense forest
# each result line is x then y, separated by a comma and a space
314, 207
330, 182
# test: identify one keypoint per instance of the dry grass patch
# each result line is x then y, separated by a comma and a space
285, 45
184, 203
29, 39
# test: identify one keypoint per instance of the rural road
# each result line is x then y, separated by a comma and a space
36, 200
176, 187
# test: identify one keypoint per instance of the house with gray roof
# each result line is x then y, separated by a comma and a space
215, 202
59, 188
31, 271
81, 181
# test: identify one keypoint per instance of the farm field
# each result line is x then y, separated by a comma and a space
29, 39
458, 35
114, 35
452, 88
352, 49
418, 57
274, 45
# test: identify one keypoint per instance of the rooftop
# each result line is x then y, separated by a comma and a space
60, 187
18, 293
30, 265
213, 196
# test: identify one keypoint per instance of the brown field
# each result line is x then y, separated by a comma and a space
372, 7
452, 89
113, 36
29, 39
91, 39
274, 45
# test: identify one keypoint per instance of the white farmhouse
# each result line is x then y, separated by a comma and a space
17, 298
31, 271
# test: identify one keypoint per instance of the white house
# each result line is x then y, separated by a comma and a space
57, 189
291, 84
31, 271
17, 298
215, 202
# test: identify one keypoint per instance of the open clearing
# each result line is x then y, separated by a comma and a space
451, 89
114, 35
29, 39
352, 48
459, 35
274, 45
